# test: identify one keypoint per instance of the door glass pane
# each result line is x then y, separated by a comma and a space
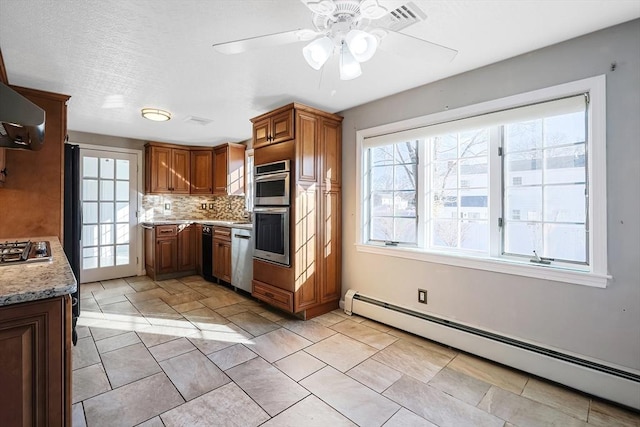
122, 190
106, 190
90, 167
89, 258
106, 212
122, 233
89, 189
106, 234
90, 235
107, 168
89, 212
122, 254
122, 169
122, 212
106, 256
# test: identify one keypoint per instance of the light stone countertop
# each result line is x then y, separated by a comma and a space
37, 280
220, 223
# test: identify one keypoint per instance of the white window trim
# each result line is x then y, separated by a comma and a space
597, 275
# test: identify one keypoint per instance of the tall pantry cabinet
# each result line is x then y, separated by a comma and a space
311, 285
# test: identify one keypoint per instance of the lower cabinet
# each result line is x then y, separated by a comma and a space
170, 251
222, 253
35, 356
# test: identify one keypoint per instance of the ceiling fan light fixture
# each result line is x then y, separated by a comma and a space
156, 114
322, 7
349, 67
372, 10
318, 52
361, 44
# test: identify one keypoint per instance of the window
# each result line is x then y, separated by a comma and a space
510, 185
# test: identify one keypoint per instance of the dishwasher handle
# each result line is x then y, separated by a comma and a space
241, 236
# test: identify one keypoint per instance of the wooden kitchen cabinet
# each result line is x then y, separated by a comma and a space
228, 169
170, 251
167, 169
3, 166
202, 171
274, 127
311, 285
198, 246
35, 355
222, 253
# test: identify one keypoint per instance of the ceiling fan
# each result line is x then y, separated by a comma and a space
354, 29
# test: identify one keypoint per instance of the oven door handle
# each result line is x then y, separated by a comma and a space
272, 177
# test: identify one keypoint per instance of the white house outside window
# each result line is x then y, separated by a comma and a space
512, 185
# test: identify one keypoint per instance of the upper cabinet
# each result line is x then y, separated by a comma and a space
167, 169
228, 169
202, 171
271, 128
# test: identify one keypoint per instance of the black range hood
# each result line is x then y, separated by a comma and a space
21, 121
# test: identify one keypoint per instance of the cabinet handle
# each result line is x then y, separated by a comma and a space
166, 231
3, 172
240, 236
269, 294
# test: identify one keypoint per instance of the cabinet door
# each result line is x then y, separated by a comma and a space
330, 258
33, 352
282, 127
225, 248
187, 248
261, 133
181, 171
166, 255
159, 170
330, 134
307, 147
201, 172
198, 246
220, 171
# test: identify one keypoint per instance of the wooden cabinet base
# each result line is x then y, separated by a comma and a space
35, 356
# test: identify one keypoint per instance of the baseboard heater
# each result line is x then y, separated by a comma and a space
595, 378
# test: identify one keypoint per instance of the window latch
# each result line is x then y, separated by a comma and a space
537, 259
391, 243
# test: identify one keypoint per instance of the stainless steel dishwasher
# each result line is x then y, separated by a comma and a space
241, 258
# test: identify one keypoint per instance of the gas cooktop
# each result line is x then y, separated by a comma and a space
12, 253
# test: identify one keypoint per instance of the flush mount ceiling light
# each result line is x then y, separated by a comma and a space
352, 29
155, 114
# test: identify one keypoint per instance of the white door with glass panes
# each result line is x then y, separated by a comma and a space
109, 204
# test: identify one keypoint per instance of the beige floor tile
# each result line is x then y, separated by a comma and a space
143, 285
353, 400
364, 334
374, 375
122, 307
153, 422
266, 385
187, 306
489, 372
225, 336
230, 310
112, 300
89, 304
328, 319
225, 406
310, 412
341, 352
116, 342
192, 278
129, 364
313, 331
232, 356
157, 334
77, 415
84, 353
171, 349
137, 297
438, 407
88, 382
173, 286
205, 318
604, 414
524, 412
132, 403
565, 400
104, 333
222, 299
88, 288
83, 332
193, 374
299, 365
376, 325
423, 342
115, 284
468, 389
413, 360
253, 323
108, 294
136, 279
182, 297
272, 315
277, 344
406, 418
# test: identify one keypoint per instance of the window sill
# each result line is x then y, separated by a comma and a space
516, 268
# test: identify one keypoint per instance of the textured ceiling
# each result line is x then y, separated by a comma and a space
116, 56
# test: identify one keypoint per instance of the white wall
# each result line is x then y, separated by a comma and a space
603, 324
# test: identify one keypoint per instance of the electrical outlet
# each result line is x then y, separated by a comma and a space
167, 206
422, 296
210, 205
203, 206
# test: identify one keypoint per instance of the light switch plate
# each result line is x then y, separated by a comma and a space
422, 296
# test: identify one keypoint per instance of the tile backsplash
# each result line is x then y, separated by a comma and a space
226, 208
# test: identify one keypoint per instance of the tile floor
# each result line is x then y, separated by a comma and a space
188, 353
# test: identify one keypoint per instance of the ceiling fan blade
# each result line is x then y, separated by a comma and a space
269, 40
409, 46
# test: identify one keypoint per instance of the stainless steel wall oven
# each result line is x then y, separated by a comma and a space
272, 185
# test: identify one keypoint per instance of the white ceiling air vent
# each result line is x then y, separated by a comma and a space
197, 120
402, 17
